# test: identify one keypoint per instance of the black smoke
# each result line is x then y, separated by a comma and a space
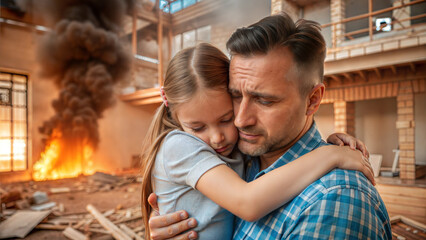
85, 56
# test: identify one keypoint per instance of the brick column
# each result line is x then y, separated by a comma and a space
337, 8
289, 7
344, 117
401, 13
405, 125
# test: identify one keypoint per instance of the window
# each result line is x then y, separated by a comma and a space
191, 38
13, 122
176, 5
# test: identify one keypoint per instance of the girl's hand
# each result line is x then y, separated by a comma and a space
350, 159
343, 139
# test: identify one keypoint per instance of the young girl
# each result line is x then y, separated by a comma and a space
191, 161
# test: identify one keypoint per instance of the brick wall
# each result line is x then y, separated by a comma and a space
337, 14
343, 99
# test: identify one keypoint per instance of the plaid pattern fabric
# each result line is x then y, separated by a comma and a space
340, 205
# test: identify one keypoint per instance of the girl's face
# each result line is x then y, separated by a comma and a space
209, 116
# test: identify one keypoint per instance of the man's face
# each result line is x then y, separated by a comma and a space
269, 111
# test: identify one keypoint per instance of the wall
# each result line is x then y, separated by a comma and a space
122, 131
420, 128
236, 16
375, 125
320, 12
324, 119
17, 53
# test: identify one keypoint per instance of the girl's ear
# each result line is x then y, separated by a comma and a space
314, 100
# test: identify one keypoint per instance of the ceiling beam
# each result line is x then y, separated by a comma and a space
361, 73
393, 68
378, 73
413, 67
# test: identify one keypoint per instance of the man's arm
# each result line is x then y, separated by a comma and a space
343, 213
170, 226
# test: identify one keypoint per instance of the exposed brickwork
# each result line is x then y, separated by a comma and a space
344, 117
405, 125
338, 14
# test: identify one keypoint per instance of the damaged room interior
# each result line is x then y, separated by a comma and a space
80, 82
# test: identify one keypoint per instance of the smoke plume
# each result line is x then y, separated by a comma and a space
86, 58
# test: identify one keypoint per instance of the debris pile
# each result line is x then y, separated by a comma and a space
28, 208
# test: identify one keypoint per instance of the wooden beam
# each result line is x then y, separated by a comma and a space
160, 46
361, 73
107, 224
336, 78
379, 74
393, 68
370, 19
413, 67
134, 33
348, 76
130, 232
170, 43
73, 234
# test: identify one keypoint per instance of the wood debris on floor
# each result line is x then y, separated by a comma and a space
101, 206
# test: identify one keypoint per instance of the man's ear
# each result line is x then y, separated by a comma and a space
315, 97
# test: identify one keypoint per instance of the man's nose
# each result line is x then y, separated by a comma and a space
244, 116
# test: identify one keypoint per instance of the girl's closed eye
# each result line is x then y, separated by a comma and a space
227, 120
197, 129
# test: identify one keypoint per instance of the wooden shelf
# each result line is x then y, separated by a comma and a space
143, 97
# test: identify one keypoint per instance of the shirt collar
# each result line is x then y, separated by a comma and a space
309, 141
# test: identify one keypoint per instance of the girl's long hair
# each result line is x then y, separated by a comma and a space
190, 70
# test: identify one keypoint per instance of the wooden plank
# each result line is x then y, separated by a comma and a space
406, 210
130, 232
21, 223
116, 232
73, 234
160, 47
402, 191
403, 200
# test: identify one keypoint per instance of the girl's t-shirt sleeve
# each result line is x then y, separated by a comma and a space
186, 158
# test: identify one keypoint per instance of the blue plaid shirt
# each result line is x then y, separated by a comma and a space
342, 204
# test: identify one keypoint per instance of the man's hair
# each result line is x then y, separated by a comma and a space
303, 39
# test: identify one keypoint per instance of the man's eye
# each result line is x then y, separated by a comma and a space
264, 102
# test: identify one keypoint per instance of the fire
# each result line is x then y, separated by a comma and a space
63, 158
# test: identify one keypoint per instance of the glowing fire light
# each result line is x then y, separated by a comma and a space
63, 158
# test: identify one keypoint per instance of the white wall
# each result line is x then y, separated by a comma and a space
320, 12
122, 130
324, 119
375, 124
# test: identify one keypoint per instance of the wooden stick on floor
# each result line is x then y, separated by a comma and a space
73, 234
116, 232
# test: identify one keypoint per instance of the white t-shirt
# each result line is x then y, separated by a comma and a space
181, 160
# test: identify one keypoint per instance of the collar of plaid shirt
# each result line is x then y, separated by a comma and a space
308, 142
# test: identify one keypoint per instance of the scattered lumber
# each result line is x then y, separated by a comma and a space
107, 224
130, 232
59, 190
73, 234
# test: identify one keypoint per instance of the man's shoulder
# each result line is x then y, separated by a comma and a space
339, 180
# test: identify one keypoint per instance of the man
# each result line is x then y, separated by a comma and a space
276, 85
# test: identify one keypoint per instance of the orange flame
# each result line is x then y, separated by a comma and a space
63, 158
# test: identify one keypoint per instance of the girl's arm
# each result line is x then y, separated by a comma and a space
253, 200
